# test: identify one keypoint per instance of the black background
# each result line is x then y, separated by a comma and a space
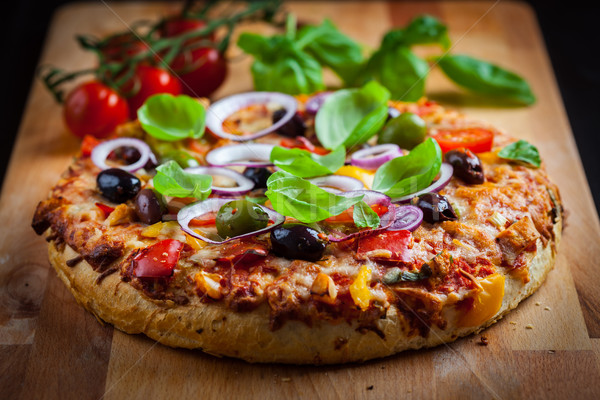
570, 31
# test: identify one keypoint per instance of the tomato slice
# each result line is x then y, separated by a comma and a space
390, 246
478, 140
244, 252
158, 260
301, 142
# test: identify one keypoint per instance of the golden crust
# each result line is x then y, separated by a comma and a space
217, 330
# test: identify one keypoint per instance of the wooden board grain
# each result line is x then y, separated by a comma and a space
51, 348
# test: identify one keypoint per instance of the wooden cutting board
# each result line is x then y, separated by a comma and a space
50, 347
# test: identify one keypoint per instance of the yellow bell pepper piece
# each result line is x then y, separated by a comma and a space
153, 230
359, 289
488, 301
209, 284
363, 175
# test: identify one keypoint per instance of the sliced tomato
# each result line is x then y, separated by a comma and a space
478, 140
158, 260
204, 220
244, 252
107, 210
390, 246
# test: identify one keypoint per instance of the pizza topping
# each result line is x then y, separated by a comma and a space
149, 206
304, 164
407, 218
407, 131
324, 288
223, 108
244, 185
395, 275
315, 102
498, 220
435, 207
158, 260
486, 301
478, 140
101, 152
522, 151
389, 246
442, 180
294, 127
373, 157
117, 185
337, 183
258, 176
169, 118
298, 241
239, 217
467, 166
517, 238
209, 284
245, 155
213, 205
360, 288
172, 180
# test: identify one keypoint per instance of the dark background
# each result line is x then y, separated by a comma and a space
570, 31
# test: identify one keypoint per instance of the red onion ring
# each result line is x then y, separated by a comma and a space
101, 152
446, 171
219, 111
241, 155
244, 184
393, 112
374, 157
407, 218
194, 210
315, 102
337, 183
371, 197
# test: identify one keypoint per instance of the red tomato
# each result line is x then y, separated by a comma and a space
478, 140
94, 109
88, 144
246, 251
107, 210
398, 243
201, 71
348, 215
122, 47
176, 26
158, 260
300, 142
148, 81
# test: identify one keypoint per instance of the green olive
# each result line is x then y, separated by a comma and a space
407, 130
239, 217
181, 157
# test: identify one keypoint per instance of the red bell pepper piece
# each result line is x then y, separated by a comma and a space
396, 246
158, 260
105, 209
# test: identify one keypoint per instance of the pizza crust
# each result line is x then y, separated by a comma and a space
219, 331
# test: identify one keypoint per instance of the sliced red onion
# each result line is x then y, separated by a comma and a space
314, 103
219, 111
393, 112
244, 185
407, 218
332, 183
195, 210
445, 175
245, 154
374, 157
100, 153
371, 197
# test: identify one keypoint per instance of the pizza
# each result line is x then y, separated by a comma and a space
431, 228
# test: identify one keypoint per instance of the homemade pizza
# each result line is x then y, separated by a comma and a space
319, 229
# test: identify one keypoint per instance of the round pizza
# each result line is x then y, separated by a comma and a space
329, 228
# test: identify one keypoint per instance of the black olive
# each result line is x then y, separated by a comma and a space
467, 166
435, 207
149, 206
297, 241
294, 127
259, 176
117, 185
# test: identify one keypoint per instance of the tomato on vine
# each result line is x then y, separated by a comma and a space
146, 82
207, 71
93, 108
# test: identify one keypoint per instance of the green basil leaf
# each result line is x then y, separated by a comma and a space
172, 180
168, 117
352, 116
300, 199
408, 174
426, 29
333, 49
257, 200
280, 66
486, 78
364, 216
521, 151
400, 71
304, 164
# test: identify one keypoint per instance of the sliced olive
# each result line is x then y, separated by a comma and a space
297, 241
259, 176
467, 166
294, 127
117, 185
406, 130
181, 157
239, 217
435, 207
149, 206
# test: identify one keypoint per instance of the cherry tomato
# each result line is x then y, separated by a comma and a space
121, 47
93, 108
158, 260
176, 26
478, 140
148, 81
201, 71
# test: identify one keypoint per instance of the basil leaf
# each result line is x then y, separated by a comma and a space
426, 29
486, 78
298, 198
408, 174
400, 71
172, 180
280, 66
333, 49
168, 117
521, 151
305, 164
395, 275
352, 116
257, 200
364, 216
